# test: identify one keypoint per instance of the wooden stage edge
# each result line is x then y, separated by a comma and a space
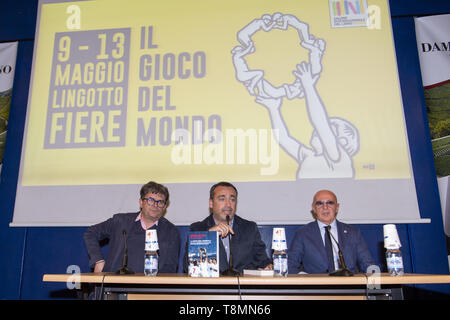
301, 279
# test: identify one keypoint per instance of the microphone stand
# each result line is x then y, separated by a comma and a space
125, 269
343, 271
230, 271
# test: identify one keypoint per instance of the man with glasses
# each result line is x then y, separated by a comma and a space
247, 249
131, 227
314, 246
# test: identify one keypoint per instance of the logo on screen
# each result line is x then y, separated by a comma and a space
348, 13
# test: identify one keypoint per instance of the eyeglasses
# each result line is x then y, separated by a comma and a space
322, 203
152, 202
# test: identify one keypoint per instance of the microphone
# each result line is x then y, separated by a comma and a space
125, 269
343, 271
230, 271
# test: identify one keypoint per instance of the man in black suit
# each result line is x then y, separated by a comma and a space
153, 203
247, 249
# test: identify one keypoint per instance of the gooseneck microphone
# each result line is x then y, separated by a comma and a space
125, 269
230, 271
343, 271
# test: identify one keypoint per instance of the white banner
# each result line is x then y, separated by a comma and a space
191, 93
433, 44
8, 53
434, 49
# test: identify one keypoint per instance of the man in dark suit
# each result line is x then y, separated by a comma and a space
153, 202
308, 249
247, 248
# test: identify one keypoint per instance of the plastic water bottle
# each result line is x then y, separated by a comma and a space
394, 262
280, 263
151, 263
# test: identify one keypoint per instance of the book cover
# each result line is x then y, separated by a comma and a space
203, 254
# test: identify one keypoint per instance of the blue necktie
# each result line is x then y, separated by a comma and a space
329, 249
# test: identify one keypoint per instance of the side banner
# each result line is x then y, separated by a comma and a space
433, 44
8, 53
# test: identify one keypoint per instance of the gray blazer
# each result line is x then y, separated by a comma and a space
307, 251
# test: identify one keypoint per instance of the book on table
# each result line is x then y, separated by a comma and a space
203, 254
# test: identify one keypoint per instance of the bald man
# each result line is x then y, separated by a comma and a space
308, 249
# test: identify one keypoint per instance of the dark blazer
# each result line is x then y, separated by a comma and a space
249, 251
307, 251
112, 229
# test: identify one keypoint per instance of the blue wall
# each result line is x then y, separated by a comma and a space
26, 254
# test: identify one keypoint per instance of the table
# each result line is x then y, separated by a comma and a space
302, 286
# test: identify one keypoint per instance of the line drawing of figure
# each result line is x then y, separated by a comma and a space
255, 78
334, 141
283, 21
250, 78
245, 34
290, 91
316, 49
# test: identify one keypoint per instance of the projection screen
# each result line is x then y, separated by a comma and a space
281, 98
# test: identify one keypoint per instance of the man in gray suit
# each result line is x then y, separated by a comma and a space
308, 249
247, 249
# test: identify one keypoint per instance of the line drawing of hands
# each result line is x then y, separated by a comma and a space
304, 74
272, 104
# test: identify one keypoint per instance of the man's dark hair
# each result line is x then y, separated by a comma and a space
154, 187
221, 184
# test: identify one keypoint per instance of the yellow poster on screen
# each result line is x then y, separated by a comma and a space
204, 91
